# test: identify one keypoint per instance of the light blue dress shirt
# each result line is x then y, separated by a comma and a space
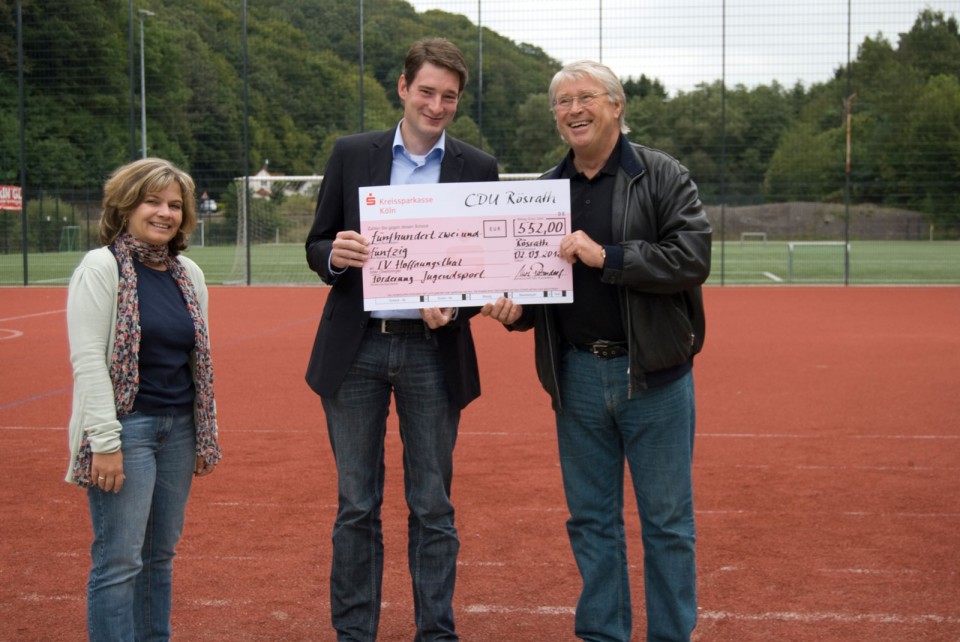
410, 169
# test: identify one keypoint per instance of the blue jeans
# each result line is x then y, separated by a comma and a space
135, 531
408, 366
599, 428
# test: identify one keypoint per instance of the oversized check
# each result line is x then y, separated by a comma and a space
447, 245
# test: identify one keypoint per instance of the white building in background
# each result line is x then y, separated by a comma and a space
262, 183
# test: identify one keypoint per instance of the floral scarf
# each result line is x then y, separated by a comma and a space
124, 362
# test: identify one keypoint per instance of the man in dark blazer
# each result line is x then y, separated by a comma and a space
425, 358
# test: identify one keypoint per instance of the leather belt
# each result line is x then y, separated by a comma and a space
397, 326
603, 350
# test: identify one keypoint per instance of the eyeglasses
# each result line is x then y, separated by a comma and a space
565, 103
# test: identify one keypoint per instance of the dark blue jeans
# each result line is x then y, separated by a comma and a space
407, 366
136, 530
598, 429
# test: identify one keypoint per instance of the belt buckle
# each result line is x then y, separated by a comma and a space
604, 350
383, 326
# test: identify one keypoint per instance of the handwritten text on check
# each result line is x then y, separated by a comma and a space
465, 244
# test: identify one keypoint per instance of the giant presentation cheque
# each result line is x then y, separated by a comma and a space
447, 245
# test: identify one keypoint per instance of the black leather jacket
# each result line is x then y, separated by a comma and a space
660, 223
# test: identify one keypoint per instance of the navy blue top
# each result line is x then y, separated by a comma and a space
166, 341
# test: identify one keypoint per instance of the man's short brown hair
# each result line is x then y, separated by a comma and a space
439, 52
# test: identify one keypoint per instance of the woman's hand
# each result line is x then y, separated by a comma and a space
106, 472
201, 468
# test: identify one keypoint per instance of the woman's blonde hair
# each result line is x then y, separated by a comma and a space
130, 184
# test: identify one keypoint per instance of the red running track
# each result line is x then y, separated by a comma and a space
827, 475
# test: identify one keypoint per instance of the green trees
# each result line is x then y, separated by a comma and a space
69, 114
743, 144
726, 138
930, 161
905, 127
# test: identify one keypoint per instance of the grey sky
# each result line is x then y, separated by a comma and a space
680, 42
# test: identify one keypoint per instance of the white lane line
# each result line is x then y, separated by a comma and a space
477, 433
843, 571
221, 602
36, 597
705, 614
910, 515
722, 513
903, 436
30, 316
753, 435
896, 469
285, 431
226, 558
794, 616
524, 564
511, 610
63, 428
727, 435
873, 571
50, 428
790, 616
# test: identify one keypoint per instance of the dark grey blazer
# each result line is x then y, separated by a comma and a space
362, 160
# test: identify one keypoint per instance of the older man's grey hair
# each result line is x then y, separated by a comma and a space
600, 73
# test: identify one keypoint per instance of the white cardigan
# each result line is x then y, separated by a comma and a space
91, 327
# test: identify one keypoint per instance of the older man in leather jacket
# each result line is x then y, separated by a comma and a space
618, 361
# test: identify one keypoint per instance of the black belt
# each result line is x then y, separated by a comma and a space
603, 350
397, 326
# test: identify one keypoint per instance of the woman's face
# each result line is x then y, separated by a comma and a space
158, 217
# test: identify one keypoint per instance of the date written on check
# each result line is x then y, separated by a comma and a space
465, 244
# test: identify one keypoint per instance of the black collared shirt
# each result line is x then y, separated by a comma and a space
594, 314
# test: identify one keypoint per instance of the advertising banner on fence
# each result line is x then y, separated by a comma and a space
10, 197
465, 244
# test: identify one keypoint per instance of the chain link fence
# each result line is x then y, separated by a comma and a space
824, 138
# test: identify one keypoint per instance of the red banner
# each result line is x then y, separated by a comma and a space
10, 197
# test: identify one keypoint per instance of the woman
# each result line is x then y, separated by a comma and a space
143, 420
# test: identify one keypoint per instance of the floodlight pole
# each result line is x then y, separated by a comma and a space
848, 109
362, 107
848, 116
143, 87
480, 74
133, 92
